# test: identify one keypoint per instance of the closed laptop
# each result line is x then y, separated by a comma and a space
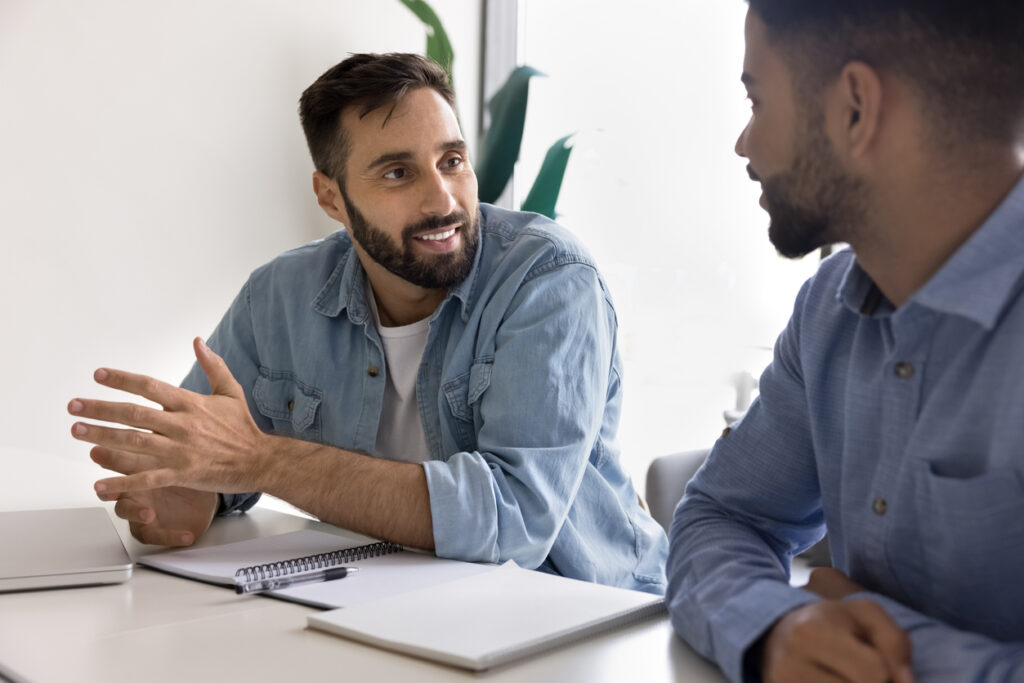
60, 548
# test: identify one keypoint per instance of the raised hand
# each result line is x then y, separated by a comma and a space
204, 442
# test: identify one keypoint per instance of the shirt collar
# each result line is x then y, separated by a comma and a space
978, 280
345, 288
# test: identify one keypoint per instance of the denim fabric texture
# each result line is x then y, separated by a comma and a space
902, 431
519, 392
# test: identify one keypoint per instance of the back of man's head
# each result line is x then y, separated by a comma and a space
367, 82
964, 59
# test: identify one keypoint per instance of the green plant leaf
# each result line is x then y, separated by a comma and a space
439, 48
505, 135
544, 194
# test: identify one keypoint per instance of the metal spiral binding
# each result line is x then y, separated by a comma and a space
322, 561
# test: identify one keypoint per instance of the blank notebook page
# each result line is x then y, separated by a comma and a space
490, 618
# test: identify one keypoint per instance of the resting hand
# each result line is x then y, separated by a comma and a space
167, 516
209, 443
830, 640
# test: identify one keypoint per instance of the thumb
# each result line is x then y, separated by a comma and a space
222, 382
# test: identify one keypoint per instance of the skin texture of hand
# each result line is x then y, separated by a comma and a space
172, 515
176, 458
204, 442
833, 641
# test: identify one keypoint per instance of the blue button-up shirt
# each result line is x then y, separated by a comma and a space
519, 395
903, 431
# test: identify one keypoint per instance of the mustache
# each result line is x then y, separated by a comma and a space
434, 223
753, 176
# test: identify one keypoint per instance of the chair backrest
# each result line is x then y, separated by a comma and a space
666, 480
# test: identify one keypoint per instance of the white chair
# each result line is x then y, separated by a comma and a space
666, 480
667, 477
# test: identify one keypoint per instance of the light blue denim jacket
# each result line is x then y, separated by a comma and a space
519, 393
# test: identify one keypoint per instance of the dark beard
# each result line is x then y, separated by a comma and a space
437, 271
815, 203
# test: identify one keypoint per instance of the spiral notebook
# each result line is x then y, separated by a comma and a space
385, 569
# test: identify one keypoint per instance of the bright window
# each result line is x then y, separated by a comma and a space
656, 192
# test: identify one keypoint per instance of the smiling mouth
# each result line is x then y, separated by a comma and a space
438, 236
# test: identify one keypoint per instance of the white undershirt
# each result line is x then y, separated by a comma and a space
400, 432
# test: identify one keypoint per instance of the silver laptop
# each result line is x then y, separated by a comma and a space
57, 548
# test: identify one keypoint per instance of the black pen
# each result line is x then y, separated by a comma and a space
277, 582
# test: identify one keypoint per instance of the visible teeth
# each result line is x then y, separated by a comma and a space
437, 237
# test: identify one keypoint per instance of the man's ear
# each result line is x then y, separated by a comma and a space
328, 196
857, 108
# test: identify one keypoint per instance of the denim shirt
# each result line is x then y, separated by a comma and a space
903, 431
519, 394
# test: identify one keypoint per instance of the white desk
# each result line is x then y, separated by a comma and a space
158, 627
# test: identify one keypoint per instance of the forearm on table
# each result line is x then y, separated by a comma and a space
372, 496
727, 583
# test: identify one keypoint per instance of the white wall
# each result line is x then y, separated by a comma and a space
150, 158
654, 189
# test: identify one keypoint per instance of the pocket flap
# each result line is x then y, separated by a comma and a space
479, 380
282, 397
455, 392
466, 389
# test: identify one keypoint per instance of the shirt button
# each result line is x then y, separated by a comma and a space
879, 506
725, 432
291, 406
373, 371
904, 370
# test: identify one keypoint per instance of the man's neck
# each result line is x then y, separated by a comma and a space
918, 224
399, 302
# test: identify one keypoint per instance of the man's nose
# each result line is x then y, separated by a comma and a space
740, 147
438, 199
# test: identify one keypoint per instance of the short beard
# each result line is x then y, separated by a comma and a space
815, 203
437, 271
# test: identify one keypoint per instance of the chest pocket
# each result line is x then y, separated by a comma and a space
292, 406
968, 540
463, 394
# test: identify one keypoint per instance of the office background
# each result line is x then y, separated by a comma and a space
151, 157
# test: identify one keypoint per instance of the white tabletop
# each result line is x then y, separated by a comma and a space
158, 627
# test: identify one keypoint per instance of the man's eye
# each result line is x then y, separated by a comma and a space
395, 174
453, 162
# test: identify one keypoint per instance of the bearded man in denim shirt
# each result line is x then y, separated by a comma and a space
893, 410
443, 374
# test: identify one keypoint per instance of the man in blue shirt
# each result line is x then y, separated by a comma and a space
893, 410
442, 374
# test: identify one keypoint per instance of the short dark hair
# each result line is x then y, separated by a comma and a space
964, 58
367, 81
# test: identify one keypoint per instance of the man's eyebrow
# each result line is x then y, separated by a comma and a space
453, 144
391, 157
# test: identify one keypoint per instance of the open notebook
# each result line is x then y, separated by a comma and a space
491, 618
379, 575
471, 615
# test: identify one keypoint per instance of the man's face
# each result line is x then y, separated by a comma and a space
409, 190
811, 199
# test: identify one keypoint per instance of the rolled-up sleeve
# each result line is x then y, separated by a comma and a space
537, 421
